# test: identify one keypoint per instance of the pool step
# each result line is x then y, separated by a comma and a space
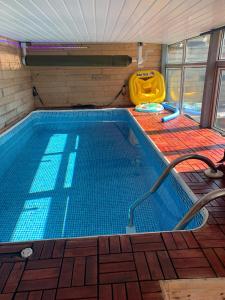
130, 229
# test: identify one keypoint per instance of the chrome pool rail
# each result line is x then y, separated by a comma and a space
198, 206
130, 228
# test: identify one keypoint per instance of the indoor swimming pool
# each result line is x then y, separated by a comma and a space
76, 173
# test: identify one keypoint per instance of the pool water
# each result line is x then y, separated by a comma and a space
72, 174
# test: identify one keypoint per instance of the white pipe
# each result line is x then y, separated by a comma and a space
24, 52
140, 59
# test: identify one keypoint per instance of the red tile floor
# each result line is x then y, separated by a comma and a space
128, 267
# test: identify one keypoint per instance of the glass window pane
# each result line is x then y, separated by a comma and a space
197, 49
222, 53
175, 53
173, 86
220, 114
194, 79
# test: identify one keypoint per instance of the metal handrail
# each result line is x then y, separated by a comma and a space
179, 160
160, 180
199, 205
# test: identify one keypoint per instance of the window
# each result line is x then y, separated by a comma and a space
175, 53
222, 50
185, 83
220, 112
173, 86
197, 49
194, 79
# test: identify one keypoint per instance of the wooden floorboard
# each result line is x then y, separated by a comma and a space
129, 267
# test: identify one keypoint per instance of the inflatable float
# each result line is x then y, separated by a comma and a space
192, 108
174, 115
147, 86
149, 107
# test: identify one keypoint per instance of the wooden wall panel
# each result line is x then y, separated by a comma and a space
15, 85
71, 86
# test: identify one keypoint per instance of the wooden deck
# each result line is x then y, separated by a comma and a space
128, 267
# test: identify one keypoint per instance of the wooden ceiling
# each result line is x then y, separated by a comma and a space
154, 21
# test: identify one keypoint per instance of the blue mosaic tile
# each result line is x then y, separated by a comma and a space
75, 173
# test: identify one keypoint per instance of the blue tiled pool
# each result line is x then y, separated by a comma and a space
75, 173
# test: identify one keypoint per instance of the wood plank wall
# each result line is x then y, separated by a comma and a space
66, 86
16, 97
70, 86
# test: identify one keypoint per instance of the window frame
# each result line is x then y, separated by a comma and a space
221, 46
182, 59
216, 99
192, 67
214, 65
218, 68
197, 62
166, 73
184, 64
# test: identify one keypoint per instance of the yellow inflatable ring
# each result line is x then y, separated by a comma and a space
147, 86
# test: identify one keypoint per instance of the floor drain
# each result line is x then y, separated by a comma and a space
26, 252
